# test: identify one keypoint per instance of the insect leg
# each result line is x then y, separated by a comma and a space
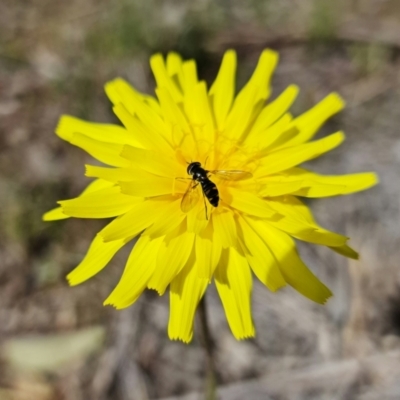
205, 204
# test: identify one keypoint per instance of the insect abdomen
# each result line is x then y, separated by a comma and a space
211, 192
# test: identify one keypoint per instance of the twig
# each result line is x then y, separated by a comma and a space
211, 376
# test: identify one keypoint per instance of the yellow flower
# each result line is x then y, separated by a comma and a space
251, 229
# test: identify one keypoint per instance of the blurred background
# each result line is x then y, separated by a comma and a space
58, 342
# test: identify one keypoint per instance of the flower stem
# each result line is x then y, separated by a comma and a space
208, 343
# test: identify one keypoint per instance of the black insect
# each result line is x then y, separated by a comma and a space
201, 176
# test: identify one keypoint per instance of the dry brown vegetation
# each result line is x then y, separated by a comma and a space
58, 342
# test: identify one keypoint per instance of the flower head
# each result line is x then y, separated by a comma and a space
248, 152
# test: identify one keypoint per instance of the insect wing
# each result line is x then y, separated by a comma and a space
190, 198
233, 175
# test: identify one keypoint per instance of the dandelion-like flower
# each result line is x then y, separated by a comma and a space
247, 149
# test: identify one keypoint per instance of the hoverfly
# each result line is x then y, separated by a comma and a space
200, 176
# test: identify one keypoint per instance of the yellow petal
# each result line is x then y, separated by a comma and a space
174, 66
153, 162
346, 251
246, 202
197, 108
196, 218
146, 136
121, 92
189, 73
108, 153
281, 160
97, 184
314, 189
276, 137
255, 92
279, 132
259, 256
203, 248
208, 252
332, 185
262, 74
152, 186
57, 213
168, 218
105, 203
274, 110
224, 226
223, 89
234, 285
153, 104
280, 188
68, 126
298, 221
134, 180
287, 184
133, 222
138, 270
260, 80
163, 79
54, 215
171, 111
241, 113
290, 206
97, 257
113, 174
172, 257
292, 267
151, 119
185, 293
310, 121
